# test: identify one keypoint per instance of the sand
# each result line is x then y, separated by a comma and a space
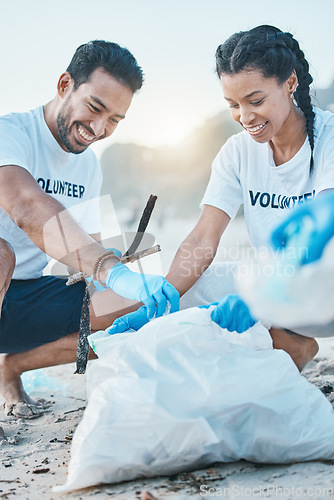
35, 454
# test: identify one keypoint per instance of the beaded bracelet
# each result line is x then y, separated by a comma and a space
98, 265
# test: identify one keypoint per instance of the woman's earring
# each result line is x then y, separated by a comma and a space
292, 95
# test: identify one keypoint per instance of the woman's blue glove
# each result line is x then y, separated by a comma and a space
232, 313
320, 212
134, 320
154, 291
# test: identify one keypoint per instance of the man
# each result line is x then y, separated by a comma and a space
47, 171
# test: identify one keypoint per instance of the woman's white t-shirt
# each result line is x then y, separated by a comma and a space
244, 172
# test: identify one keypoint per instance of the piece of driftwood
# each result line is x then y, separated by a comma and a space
129, 256
145, 218
84, 331
75, 278
139, 255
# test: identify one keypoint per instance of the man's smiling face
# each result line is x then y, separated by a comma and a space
92, 111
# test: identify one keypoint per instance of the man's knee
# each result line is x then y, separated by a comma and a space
7, 265
106, 306
7, 254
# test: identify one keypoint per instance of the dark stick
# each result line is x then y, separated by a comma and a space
84, 331
145, 218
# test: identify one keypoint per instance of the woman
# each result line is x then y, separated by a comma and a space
285, 155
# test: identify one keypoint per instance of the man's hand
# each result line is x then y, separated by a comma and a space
320, 229
154, 291
232, 313
134, 321
98, 287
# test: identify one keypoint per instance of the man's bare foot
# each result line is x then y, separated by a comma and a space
11, 388
24, 410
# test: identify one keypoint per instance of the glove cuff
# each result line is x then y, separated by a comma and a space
116, 272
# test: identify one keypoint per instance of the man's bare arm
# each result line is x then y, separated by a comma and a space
46, 222
198, 250
97, 237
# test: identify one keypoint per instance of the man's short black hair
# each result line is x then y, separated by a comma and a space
115, 60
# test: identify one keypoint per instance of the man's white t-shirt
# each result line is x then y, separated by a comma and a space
244, 171
72, 179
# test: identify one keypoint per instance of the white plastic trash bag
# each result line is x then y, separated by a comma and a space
183, 393
278, 289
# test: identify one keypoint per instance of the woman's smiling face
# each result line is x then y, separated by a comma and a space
261, 105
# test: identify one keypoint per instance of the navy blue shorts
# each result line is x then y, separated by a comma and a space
38, 311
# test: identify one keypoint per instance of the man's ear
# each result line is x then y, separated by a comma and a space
65, 83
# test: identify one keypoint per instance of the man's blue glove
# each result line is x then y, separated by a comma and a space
134, 320
98, 287
116, 252
154, 291
320, 213
232, 313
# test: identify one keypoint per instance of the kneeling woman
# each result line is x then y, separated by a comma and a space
284, 156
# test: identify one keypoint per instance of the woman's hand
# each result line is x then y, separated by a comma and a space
232, 313
132, 321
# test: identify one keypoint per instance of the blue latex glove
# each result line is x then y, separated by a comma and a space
134, 320
320, 213
232, 313
98, 287
154, 291
116, 252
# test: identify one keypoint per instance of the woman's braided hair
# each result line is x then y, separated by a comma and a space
275, 54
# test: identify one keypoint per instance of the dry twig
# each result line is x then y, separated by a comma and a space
129, 258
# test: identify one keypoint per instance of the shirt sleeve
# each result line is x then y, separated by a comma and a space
15, 149
224, 190
325, 176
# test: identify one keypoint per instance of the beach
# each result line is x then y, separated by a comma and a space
35, 453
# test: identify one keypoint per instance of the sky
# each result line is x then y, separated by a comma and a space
174, 41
